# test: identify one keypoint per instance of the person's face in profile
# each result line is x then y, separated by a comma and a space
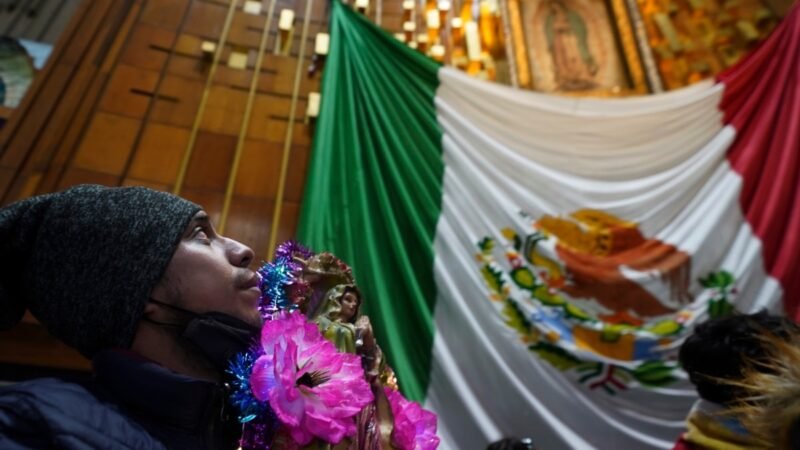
209, 272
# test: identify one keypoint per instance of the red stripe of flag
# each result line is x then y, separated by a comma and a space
762, 102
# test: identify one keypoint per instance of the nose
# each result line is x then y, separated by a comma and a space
239, 254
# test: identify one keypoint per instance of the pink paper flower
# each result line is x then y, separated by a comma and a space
414, 427
314, 390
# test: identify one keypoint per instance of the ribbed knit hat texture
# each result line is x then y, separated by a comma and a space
84, 260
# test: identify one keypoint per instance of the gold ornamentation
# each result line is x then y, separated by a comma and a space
518, 44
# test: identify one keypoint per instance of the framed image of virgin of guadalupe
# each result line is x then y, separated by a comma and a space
577, 47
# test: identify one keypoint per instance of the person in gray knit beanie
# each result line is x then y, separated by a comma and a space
84, 261
140, 282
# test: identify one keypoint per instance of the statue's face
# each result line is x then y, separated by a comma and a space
349, 303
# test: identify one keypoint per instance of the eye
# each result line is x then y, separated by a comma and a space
200, 234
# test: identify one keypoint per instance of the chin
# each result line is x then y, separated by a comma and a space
246, 310
255, 319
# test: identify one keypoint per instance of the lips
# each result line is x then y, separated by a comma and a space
251, 281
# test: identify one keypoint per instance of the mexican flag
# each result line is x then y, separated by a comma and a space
531, 263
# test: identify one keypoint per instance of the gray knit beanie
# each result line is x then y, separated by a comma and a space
84, 260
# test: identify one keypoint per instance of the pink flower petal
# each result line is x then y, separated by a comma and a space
332, 431
414, 427
296, 355
262, 378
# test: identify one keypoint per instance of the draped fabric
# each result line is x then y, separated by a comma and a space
531, 262
374, 189
582, 372
762, 102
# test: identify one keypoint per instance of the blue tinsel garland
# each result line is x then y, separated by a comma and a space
259, 421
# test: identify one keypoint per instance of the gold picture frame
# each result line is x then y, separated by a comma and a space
575, 47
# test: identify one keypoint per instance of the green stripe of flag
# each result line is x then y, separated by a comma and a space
373, 195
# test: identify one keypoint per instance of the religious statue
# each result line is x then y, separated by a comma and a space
337, 392
339, 321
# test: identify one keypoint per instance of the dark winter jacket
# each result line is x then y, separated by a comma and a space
133, 403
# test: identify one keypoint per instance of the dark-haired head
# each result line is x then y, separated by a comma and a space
721, 348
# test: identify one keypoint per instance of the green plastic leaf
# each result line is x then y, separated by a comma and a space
654, 374
719, 308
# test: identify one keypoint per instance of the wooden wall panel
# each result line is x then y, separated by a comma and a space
158, 156
144, 183
87, 85
6, 175
249, 222
148, 47
167, 14
206, 19
73, 176
290, 213
280, 75
258, 172
178, 101
393, 22
211, 161
296, 175
191, 45
224, 111
107, 144
129, 91
188, 66
246, 30
210, 200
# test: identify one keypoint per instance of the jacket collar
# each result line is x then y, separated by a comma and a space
147, 389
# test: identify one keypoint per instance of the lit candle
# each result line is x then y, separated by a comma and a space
437, 52
433, 19
313, 104
362, 5
473, 41
287, 20
322, 43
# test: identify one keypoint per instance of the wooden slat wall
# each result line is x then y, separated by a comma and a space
116, 105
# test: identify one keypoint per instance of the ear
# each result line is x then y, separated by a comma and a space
149, 308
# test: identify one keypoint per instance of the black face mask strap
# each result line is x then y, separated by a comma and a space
174, 308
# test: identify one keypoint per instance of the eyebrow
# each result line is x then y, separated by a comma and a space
199, 219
